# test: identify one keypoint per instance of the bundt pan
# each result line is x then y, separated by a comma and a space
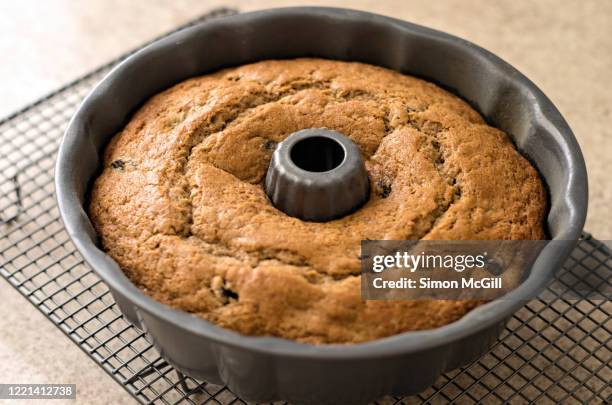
266, 368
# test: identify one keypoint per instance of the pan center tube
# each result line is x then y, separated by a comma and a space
317, 175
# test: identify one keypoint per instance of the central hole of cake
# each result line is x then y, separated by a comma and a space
317, 154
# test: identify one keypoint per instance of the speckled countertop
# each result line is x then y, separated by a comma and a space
565, 47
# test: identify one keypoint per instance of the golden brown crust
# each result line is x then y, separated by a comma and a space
180, 203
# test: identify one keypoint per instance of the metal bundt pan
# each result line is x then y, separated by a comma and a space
264, 368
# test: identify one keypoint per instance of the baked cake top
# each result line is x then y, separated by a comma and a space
180, 203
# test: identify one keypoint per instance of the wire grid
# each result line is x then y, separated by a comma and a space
552, 351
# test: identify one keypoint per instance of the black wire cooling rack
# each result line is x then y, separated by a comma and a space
554, 350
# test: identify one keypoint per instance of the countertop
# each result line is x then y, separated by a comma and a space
565, 47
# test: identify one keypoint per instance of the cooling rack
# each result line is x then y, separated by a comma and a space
554, 350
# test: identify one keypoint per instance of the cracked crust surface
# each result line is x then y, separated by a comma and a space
180, 203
